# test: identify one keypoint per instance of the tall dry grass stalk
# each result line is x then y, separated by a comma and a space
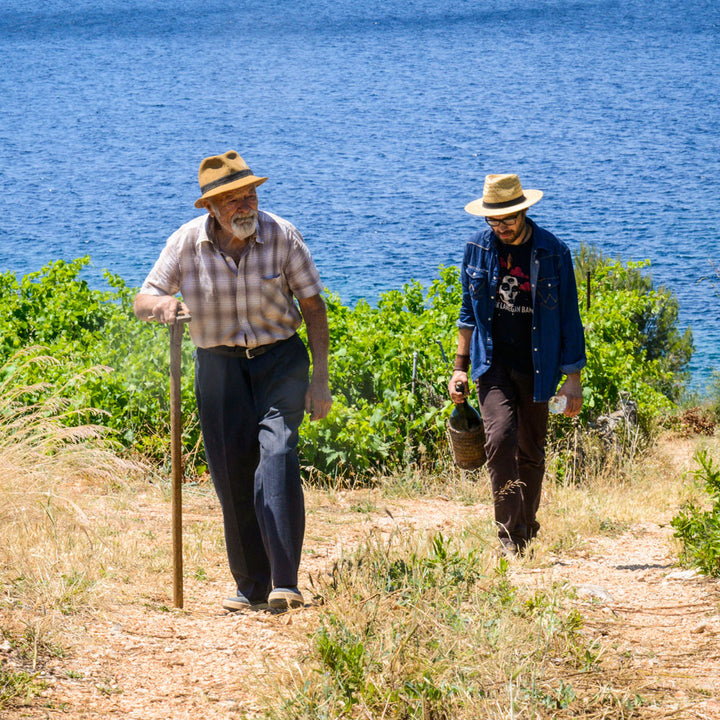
611, 489
52, 555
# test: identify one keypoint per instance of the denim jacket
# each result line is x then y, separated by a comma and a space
558, 339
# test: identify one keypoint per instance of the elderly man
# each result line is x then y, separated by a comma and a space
520, 331
239, 271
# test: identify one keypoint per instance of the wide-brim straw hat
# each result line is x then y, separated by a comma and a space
221, 173
502, 195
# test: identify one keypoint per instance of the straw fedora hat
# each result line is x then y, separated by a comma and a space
502, 195
221, 173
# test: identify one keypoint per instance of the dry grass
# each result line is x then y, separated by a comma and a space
617, 491
54, 557
419, 626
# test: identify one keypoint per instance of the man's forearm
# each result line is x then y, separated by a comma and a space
318, 400
143, 306
462, 356
163, 308
316, 322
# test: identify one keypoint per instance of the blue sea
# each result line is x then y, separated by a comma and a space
376, 123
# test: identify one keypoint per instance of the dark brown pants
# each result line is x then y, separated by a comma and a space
515, 430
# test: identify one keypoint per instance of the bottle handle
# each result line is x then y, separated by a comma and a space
460, 388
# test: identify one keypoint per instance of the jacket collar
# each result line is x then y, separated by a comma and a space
542, 239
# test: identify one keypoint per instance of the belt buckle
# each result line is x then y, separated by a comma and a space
250, 353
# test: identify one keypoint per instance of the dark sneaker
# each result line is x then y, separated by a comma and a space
285, 599
240, 602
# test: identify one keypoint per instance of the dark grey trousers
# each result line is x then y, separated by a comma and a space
250, 411
515, 430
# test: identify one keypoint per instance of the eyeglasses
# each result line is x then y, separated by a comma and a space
509, 220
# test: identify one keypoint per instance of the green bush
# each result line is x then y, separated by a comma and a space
625, 328
384, 416
388, 364
698, 529
628, 315
104, 357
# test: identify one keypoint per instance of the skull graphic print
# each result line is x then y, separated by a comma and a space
508, 289
513, 294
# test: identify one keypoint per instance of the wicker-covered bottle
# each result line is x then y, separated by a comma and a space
464, 416
467, 434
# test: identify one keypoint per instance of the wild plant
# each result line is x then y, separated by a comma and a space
18, 686
416, 626
389, 364
698, 529
51, 559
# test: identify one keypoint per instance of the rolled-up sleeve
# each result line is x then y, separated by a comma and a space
164, 278
301, 272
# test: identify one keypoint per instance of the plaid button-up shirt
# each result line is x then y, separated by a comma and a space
248, 304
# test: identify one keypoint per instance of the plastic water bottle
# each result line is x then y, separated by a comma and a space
464, 416
557, 404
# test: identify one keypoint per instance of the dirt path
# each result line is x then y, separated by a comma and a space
138, 660
665, 620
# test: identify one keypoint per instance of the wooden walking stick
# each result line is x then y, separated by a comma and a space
176, 336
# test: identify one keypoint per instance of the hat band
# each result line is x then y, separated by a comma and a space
506, 203
224, 180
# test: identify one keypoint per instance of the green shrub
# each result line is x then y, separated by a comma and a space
698, 529
104, 357
627, 314
384, 416
388, 364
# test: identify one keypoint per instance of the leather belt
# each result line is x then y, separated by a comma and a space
241, 351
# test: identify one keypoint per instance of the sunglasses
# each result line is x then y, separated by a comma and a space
509, 220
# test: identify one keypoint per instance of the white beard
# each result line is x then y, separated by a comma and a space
244, 227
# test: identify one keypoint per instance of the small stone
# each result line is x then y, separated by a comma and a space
596, 591
701, 628
682, 575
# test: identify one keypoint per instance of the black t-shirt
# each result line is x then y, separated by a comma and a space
512, 321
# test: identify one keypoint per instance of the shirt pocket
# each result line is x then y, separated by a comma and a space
477, 280
273, 293
548, 291
271, 285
